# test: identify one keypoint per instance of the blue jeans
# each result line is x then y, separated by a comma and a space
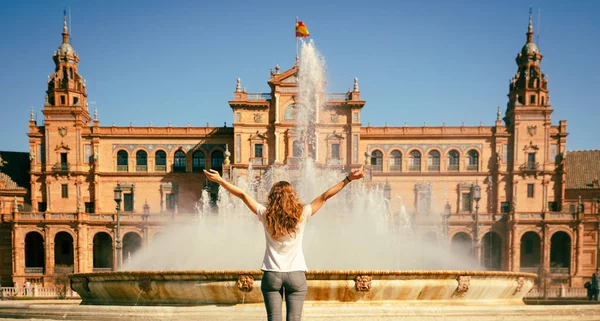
273, 286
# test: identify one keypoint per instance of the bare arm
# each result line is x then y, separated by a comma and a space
214, 176
332, 191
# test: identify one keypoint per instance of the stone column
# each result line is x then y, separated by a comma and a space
276, 109
546, 246
578, 251
49, 248
82, 255
276, 146
516, 249
18, 262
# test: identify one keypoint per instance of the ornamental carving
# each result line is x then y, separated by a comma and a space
520, 284
531, 130
62, 131
145, 283
258, 118
363, 283
463, 286
245, 282
335, 118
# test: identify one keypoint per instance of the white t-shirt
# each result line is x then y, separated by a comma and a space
285, 253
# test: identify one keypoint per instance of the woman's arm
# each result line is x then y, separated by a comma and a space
332, 191
214, 176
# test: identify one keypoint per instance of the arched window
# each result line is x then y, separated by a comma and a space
216, 160
376, 161
198, 161
160, 161
473, 160
396, 161
414, 161
298, 148
141, 161
453, 161
179, 162
289, 113
433, 161
122, 161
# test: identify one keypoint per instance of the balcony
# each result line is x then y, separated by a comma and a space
453, 168
64, 269
377, 168
334, 162
294, 160
141, 168
258, 96
96, 270
160, 168
530, 167
336, 96
472, 168
122, 168
559, 270
34, 270
258, 161
433, 168
395, 168
61, 167
414, 168
529, 269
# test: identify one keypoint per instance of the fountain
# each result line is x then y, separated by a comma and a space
361, 250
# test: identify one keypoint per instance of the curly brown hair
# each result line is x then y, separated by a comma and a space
284, 210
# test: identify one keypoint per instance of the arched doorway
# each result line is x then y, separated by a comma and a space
531, 254
131, 243
560, 253
35, 255
63, 253
491, 251
103, 251
462, 245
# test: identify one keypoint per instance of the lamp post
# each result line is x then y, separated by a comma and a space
118, 194
476, 195
445, 220
145, 217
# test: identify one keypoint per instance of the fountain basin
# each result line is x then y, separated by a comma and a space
324, 286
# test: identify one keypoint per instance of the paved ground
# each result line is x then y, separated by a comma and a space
70, 310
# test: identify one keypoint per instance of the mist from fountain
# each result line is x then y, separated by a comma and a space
356, 230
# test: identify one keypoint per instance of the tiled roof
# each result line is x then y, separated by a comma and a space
15, 170
583, 167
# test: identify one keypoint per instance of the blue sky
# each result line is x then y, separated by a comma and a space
416, 61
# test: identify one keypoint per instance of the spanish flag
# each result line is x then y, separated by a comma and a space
301, 30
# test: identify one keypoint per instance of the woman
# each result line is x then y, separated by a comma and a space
284, 219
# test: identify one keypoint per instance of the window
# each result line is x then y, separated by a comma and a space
532, 99
466, 202
505, 207
377, 161
297, 149
531, 161
335, 150
453, 161
179, 162
216, 160
289, 113
396, 161
75, 100
62, 100
414, 161
89, 207
543, 102
64, 190
473, 160
42, 206
170, 202
355, 119
128, 202
122, 161
198, 161
63, 158
505, 152
160, 161
553, 206
141, 161
258, 150
530, 188
238, 117
433, 161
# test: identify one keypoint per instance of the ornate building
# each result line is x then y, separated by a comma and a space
502, 190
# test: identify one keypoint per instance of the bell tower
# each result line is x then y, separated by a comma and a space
66, 88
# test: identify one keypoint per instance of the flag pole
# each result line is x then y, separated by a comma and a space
295, 35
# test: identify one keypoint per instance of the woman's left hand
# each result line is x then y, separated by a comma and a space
213, 176
356, 174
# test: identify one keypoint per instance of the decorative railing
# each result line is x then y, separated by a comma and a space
414, 168
61, 167
395, 168
35, 291
559, 270
453, 168
336, 96
122, 168
530, 167
97, 270
160, 168
294, 160
433, 168
258, 161
178, 169
529, 269
64, 269
197, 169
258, 96
141, 168
334, 161
34, 270
558, 293
376, 168
472, 168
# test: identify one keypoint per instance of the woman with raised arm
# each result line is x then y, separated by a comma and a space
284, 219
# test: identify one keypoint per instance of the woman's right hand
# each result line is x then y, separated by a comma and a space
213, 176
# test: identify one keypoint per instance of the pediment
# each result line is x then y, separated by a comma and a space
288, 76
335, 136
258, 136
62, 146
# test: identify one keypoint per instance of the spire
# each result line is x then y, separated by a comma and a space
238, 86
65, 32
530, 28
356, 84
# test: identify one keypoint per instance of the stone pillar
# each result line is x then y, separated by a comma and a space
18, 262
276, 110
96, 196
546, 247
34, 192
49, 248
82, 255
276, 146
516, 249
578, 251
